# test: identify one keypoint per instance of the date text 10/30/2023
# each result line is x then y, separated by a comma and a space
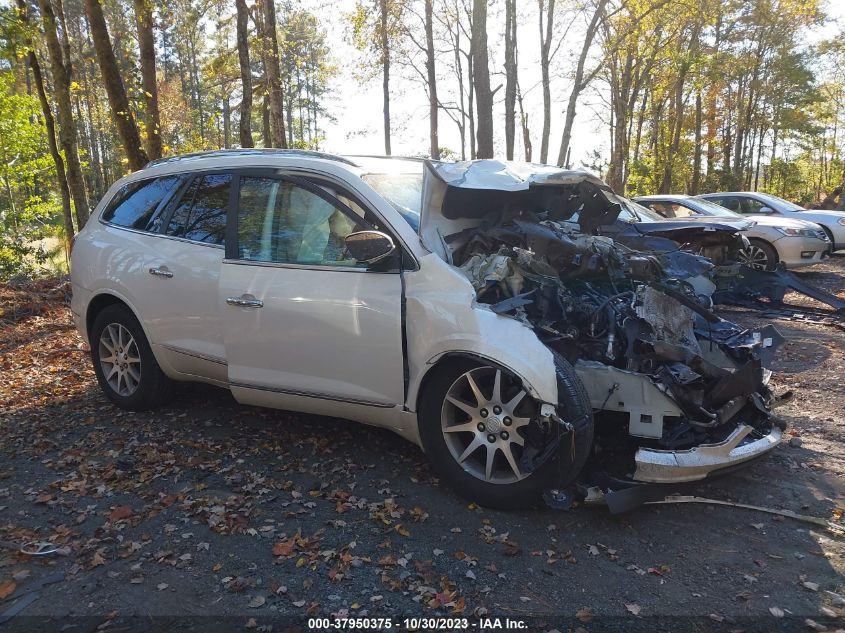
417, 624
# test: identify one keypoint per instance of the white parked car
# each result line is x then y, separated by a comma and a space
772, 239
444, 301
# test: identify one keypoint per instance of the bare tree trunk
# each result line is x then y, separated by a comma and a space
385, 70
640, 120
675, 138
127, 129
579, 83
432, 79
481, 77
523, 119
146, 46
244, 129
226, 120
459, 71
696, 157
273, 74
841, 205
50, 125
265, 122
545, 61
471, 105
67, 128
510, 77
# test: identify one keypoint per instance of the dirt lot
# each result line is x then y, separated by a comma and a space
208, 514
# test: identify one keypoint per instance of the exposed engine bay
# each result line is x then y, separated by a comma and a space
662, 371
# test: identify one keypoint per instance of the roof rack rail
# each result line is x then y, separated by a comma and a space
256, 151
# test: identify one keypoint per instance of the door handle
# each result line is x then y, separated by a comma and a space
161, 272
245, 301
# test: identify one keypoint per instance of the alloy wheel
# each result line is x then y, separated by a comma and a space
481, 425
754, 257
120, 359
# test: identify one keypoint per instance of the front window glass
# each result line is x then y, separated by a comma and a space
680, 211
746, 205
279, 221
402, 190
137, 204
665, 209
201, 213
633, 212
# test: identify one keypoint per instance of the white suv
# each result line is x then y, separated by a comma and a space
417, 296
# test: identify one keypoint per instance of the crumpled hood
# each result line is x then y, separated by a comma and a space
505, 175
457, 196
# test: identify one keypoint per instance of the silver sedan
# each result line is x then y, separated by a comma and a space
757, 203
772, 239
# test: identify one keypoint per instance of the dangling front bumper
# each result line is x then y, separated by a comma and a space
699, 462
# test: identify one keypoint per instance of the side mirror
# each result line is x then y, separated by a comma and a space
369, 246
765, 210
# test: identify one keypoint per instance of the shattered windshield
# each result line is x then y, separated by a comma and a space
402, 190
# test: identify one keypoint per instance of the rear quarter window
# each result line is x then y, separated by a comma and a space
137, 204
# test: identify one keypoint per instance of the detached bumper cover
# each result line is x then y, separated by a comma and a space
662, 466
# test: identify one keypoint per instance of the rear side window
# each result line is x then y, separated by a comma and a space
201, 213
137, 204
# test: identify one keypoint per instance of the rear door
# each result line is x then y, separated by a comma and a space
302, 321
180, 298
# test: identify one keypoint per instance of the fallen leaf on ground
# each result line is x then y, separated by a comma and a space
6, 588
120, 513
257, 601
633, 609
585, 614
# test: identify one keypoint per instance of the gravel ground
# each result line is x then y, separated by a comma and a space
208, 514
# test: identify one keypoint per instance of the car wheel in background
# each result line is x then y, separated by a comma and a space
473, 420
124, 364
759, 255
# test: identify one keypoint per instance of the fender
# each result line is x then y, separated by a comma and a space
443, 319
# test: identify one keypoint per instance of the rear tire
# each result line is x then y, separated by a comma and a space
489, 422
125, 366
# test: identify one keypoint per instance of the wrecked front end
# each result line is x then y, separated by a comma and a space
678, 393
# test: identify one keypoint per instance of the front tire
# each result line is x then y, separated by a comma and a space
473, 422
759, 255
125, 366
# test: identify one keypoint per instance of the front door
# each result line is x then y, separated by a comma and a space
302, 322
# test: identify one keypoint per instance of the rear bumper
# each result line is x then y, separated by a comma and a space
661, 466
78, 308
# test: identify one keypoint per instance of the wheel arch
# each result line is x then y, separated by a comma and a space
450, 358
100, 302
830, 237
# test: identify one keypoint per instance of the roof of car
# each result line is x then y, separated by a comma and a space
662, 196
729, 193
247, 152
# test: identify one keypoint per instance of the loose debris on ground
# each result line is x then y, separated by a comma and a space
207, 508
